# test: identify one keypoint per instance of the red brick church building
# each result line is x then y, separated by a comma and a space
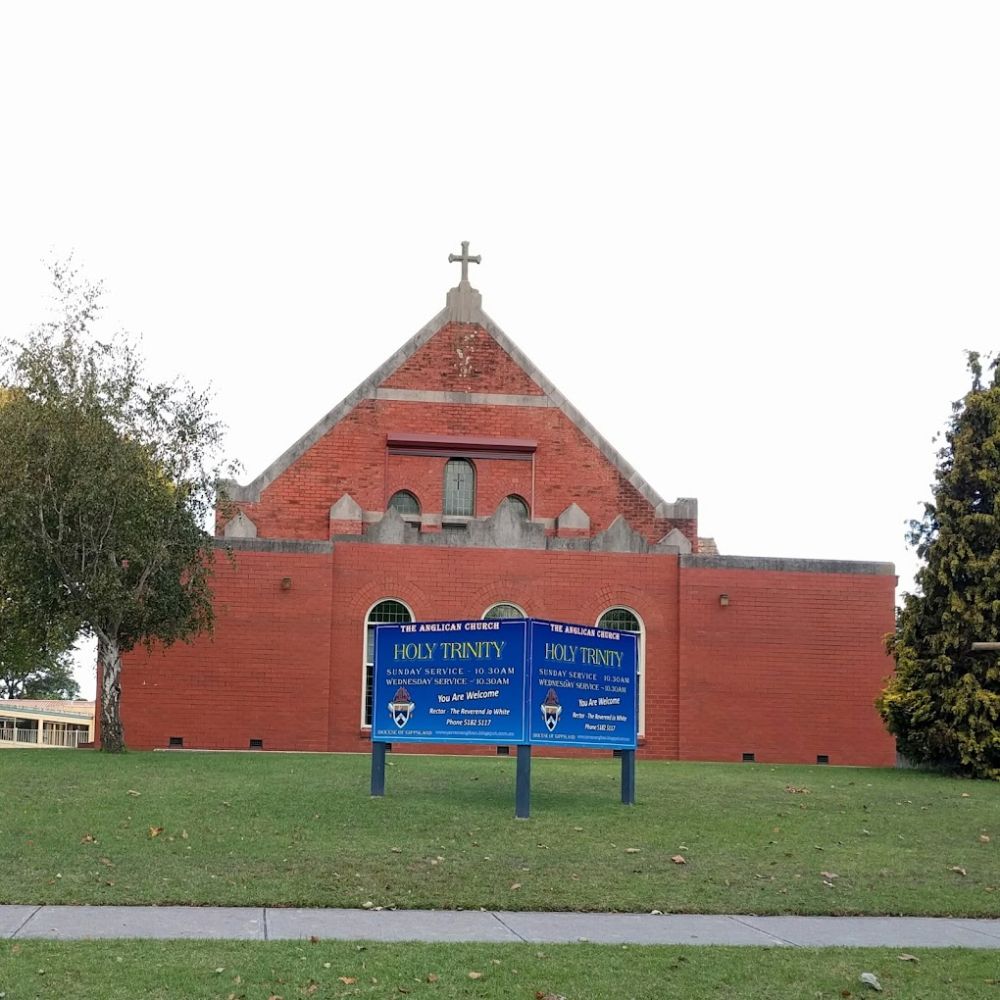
458, 482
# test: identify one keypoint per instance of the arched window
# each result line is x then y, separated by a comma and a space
502, 611
626, 620
383, 613
518, 504
405, 502
459, 488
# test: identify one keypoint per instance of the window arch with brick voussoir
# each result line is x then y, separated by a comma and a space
385, 612
622, 619
505, 609
405, 503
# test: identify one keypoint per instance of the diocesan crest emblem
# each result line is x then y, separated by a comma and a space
401, 707
551, 710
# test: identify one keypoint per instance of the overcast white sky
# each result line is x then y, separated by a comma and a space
750, 241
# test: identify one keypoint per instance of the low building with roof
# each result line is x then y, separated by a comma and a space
38, 723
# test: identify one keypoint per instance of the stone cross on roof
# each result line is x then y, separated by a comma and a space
465, 259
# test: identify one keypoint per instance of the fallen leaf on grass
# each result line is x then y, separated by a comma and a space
958, 869
107, 862
313, 939
132, 791
829, 875
311, 987
794, 790
475, 975
908, 958
515, 885
632, 850
679, 859
983, 839
88, 838
432, 977
539, 995
155, 831
966, 795
348, 980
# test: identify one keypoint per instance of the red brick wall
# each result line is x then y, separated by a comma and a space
462, 357
352, 458
443, 582
789, 670
263, 674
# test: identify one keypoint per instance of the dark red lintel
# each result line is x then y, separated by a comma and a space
447, 444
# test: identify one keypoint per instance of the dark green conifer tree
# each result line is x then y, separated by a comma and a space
943, 702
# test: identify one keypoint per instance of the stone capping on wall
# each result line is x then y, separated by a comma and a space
778, 565
684, 508
290, 546
505, 530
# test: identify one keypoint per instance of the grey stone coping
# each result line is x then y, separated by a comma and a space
788, 565
289, 545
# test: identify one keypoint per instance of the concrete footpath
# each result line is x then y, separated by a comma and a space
66, 923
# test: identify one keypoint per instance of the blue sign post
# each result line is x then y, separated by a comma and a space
513, 681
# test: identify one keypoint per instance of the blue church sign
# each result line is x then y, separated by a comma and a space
449, 682
520, 681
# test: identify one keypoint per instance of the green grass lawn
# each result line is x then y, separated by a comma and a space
277, 829
226, 970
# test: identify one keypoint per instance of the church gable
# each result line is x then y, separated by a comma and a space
465, 387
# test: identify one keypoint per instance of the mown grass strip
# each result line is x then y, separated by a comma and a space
275, 829
152, 970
